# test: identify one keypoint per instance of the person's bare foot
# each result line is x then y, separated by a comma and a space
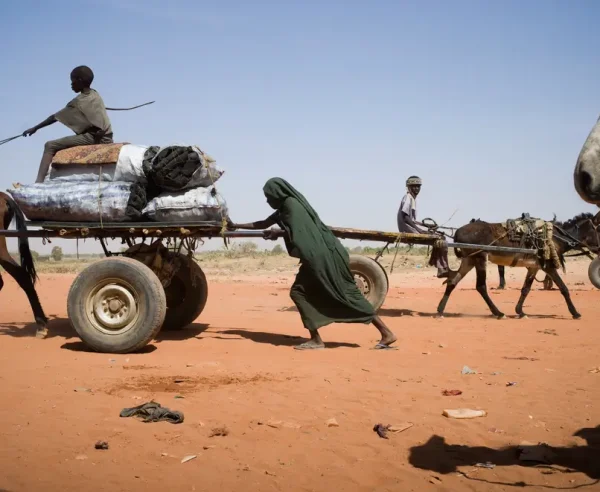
388, 339
387, 336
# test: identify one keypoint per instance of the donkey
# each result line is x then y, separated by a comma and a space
24, 274
587, 170
584, 228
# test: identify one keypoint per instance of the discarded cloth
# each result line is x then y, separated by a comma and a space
153, 412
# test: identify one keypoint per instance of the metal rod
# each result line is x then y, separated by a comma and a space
106, 233
500, 249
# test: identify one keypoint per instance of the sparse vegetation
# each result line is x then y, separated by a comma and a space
57, 253
239, 258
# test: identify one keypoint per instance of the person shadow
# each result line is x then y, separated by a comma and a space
438, 456
276, 339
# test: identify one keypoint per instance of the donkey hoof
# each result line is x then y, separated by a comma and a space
439, 316
41, 333
501, 316
523, 316
577, 316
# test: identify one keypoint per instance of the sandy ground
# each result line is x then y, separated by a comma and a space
236, 369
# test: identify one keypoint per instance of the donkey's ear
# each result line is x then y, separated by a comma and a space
554, 219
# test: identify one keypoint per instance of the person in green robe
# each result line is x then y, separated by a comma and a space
324, 291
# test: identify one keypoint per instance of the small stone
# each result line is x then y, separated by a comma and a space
426, 353
275, 424
82, 390
101, 445
189, 458
332, 423
81, 457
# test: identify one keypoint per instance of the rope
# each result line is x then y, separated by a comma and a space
100, 198
223, 218
6, 140
129, 109
491, 244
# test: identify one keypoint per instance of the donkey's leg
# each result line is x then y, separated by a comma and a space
502, 278
531, 273
24, 281
563, 290
1, 282
480, 264
465, 267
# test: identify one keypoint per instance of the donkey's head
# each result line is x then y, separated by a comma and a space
584, 227
587, 169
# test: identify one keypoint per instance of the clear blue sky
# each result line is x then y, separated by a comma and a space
489, 102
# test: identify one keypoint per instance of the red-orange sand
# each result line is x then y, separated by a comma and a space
237, 369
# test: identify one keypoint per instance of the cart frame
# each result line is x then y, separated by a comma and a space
120, 303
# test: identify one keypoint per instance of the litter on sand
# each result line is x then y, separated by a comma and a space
153, 412
463, 413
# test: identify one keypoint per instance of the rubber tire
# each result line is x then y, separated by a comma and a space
375, 275
594, 272
193, 297
151, 297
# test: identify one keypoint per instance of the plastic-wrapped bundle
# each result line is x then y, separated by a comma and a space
195, 205
80, 202
177, 167
128, 168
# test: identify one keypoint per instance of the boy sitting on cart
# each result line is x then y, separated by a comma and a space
86, 115
407, 222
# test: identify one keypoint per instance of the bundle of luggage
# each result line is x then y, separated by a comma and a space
124, 182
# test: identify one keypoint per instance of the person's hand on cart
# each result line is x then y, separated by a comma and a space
270, 235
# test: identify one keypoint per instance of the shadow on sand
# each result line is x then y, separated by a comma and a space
438, 456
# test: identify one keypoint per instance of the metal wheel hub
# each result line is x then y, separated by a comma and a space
363, 284
113, 307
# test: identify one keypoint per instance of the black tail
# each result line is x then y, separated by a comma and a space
24, 251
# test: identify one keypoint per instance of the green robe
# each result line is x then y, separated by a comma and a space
324, 290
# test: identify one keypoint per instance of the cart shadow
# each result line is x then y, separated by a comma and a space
61, 328
191, 331
438, 456
397, 313
275, 339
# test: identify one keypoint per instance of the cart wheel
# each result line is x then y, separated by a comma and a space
548, 283
116, 305
371, 279
186, 294
594, 272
